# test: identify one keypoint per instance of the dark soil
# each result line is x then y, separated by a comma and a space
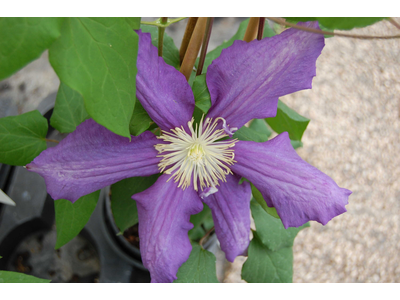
132, 235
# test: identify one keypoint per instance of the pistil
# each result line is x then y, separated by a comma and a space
199, 155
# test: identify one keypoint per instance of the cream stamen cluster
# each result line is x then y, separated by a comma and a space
198, 153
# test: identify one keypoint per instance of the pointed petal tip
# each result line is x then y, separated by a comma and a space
230, 208
161, 89
299, 191
259, 72
164, 216
93, 157
324, 217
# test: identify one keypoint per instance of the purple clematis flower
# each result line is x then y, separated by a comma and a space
245, 83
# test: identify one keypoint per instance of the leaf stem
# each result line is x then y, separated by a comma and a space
186, 37
364, 37
193, 48
206, 39
260, 33
158, 22
52, 141
205, 236
161, 31
251, 30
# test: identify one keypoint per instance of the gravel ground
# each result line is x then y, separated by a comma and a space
353, 136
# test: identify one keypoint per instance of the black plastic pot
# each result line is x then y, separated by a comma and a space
27, 233
128, 248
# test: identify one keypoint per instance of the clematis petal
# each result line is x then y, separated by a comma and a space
161, 89
93, 157
230, 208
247, 79
164, 221
298, 191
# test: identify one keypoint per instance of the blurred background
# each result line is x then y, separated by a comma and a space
353, 136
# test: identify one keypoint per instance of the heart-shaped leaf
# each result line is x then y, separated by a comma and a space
22, 138
97, 58
200, 267
266, 266
23, 40
69, 110
72, 217
270, 230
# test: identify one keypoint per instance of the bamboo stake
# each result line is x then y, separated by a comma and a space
186, 37
252, 29
193, 48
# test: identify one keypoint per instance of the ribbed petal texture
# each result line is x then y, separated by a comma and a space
93, 157
298, 191
161, 89
230, 208
246, 80
164, 222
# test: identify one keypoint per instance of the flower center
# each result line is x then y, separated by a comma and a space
197, 154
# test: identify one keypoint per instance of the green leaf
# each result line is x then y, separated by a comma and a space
201, 94
260, 126
260, 200
266, 266
134, 23
72, 217
300, 19
23, 40
200, 267
22, 138
339, 23
15, 277
239, 35
305, 19
296, 144
192, 78
97, 58
122, 205
347, 23
249, 134
69, 110
197, 115
270, 230
202, 218
170, 52
288, 120
140, 120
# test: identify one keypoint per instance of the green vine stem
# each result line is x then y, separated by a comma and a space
206, 39
161, 31
159, 22
205, 236
52, 141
